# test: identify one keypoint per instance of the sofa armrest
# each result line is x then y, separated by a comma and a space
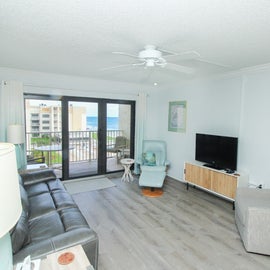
32, 177
81, 236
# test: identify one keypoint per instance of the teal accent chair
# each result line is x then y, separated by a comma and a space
153, 164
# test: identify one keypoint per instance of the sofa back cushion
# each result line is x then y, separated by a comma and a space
33, 177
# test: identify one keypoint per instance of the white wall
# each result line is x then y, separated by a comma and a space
57, 84
236, 105
213, 107
255, 127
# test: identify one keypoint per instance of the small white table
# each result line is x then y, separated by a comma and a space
80, 262
126, 163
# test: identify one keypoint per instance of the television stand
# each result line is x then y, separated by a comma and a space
215, 181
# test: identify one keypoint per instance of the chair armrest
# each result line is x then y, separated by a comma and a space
32, 177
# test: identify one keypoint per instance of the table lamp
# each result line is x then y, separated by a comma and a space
10, 202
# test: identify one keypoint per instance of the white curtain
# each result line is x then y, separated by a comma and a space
139, 128
12, 112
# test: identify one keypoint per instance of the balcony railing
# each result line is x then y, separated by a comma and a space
82, 145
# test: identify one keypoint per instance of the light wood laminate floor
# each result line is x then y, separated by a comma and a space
180, 230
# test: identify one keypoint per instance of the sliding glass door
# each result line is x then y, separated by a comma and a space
119, 132
91, 130
79, 137
82, 138
43, 119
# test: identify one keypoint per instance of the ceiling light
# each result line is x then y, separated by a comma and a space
150, 63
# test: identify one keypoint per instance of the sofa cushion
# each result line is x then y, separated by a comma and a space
62, 200
72, 219
41, 204
20, 233
56, 184
46, 226
33, 190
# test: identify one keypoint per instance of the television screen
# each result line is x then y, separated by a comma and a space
219, 152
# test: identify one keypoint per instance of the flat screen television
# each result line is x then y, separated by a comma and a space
219, 152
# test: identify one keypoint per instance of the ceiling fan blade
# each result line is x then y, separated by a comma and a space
114, 67
139, 64
184, 55
178, 68
213, 62
125, 65
126, 54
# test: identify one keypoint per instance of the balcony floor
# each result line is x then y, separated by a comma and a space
86, 168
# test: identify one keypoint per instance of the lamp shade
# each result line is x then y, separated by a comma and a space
10, 199
15, 134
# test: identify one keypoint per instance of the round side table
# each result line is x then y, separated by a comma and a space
126, 163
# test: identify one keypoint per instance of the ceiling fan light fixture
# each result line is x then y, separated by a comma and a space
149, 52
150, 63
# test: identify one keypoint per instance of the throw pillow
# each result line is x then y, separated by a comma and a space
159, 161
149, 159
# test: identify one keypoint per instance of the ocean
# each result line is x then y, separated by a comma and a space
92, 123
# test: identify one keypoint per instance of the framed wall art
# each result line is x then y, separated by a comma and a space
177, 116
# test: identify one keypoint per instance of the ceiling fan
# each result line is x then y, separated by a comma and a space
151, 57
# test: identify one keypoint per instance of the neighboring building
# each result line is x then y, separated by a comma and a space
42, 118
77, 118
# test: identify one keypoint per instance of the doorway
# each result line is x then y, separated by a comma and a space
79, 137
91, 129
43, 127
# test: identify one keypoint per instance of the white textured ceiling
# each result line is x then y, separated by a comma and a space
77, 37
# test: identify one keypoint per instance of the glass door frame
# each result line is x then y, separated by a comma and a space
102, 128
30, 96
102, 131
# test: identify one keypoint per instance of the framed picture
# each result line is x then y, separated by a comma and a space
177, 116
